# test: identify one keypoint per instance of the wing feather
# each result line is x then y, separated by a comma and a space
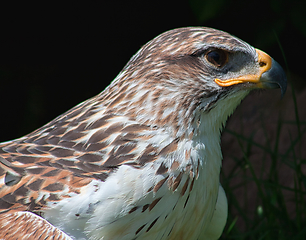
56, 161
27, 225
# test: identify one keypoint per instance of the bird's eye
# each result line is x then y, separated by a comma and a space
217, 57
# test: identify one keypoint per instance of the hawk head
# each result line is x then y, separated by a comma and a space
188, 71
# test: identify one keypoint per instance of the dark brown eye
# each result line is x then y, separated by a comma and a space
217, 57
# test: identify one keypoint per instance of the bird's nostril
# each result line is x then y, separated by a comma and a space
262, 64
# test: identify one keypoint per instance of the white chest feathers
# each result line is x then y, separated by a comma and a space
139, 204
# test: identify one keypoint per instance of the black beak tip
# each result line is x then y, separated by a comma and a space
275, 78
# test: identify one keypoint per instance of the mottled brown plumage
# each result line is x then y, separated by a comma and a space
141, 160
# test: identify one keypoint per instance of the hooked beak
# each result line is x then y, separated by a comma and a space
270, 75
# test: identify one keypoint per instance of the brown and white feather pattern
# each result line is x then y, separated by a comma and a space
141, 160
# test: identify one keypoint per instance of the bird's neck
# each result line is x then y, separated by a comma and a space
208, 126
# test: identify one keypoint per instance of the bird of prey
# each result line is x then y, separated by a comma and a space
142, 159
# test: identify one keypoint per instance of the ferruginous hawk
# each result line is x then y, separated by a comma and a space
141, 160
